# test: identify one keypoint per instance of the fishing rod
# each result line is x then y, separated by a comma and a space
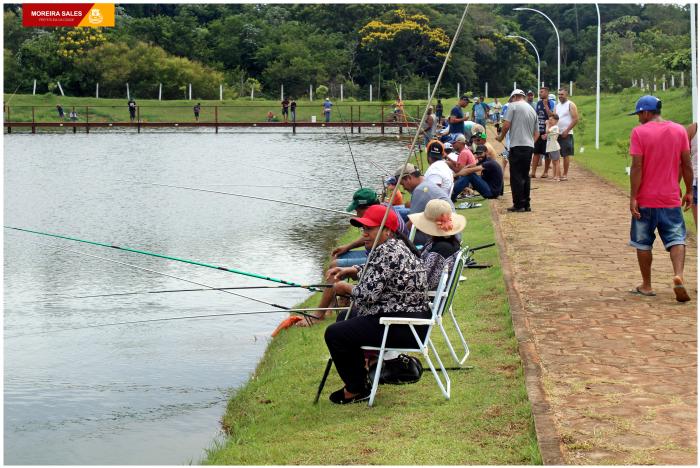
275, 186
162, 291
354, 163
167, 257
167, 319
237, 195
284, 308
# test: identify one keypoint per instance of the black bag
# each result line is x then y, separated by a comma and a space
404, 369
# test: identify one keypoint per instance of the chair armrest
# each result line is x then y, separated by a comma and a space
404, 321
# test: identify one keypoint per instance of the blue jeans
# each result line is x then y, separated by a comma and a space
476, 182
667, 221
328, 116
351, 258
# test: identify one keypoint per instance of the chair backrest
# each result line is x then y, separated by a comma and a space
437, 305
453, 280
412, 234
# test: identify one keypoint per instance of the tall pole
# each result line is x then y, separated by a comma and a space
537, 54
693, 61
556, 31
597, 87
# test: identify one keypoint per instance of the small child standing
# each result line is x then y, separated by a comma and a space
553, 145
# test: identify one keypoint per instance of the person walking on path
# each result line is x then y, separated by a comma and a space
659, 149
457, 118
132, 109
285, 109
568, 118
693, 137
197, 109
327, 104
480, 111
521, 124
293, 108
544, 109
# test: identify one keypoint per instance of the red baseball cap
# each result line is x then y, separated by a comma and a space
373, 217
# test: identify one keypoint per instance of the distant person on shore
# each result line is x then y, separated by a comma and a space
480, 111
544, 109
568, 118
270, 116
285, 109
457, 118
132, 109
293, 108
428, 126
197, 109
73, 116
693, 137
327, 104
59, 109
552, 148
496, 114
521, 124
659, 150
439, 110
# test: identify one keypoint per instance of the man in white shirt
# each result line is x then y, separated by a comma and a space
568, 118
439, 172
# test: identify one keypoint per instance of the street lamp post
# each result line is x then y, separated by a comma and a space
537, 54
597, 87
558, 42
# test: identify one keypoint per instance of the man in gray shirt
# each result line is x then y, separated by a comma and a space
422, 191
521, 124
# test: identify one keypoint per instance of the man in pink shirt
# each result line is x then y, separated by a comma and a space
659, 150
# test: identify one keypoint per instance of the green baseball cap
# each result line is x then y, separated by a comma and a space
363, 198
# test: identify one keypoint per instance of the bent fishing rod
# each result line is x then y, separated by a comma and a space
284, 308
345, 213
168, 257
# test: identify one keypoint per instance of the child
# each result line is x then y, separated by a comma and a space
553, 145
390, 186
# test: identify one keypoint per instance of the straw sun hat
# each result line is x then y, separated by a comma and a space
438, 219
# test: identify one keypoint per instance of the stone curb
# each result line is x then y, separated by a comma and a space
547, 436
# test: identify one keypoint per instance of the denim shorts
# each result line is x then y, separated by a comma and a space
351, 258
566, 145
667, 221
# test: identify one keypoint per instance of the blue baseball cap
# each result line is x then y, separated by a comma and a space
647, 103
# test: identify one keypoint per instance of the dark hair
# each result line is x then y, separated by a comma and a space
545, 87
402, 237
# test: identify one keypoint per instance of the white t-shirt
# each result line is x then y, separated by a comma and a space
564, 113
552, 142
441, 175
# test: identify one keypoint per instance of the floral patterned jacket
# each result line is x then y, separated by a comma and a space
394, 283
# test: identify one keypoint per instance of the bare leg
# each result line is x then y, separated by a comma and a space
535, 163
678, 259
547, 162
644, 257
566, 165
556, 170
695, 215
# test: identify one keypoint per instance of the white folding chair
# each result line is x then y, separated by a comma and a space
452, 284
423, 346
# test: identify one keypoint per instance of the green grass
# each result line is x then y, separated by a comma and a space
488, 420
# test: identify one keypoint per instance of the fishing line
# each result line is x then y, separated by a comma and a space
237, 195
275, 186
166, 319
284, 308
345, 132
167, 257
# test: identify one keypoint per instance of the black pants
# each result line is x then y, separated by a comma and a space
345, 337
519, 160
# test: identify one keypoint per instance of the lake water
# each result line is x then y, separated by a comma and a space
153, 393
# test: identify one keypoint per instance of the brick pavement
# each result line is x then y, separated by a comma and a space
618, 371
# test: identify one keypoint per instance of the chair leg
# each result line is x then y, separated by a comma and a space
461, 337
380, 363
445, 388
447, 340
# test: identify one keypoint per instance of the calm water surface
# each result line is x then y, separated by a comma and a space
153, 393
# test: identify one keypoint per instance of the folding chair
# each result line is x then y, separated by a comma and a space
452, 284
423, 346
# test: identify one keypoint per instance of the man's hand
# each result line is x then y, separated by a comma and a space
634, 208
565, 133
543, 136
339, 251
342, 288
687, 201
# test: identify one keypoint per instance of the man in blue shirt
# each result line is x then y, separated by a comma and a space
327, 104
457, 118
480, 111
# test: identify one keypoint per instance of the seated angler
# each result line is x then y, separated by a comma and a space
438, 171
392, 284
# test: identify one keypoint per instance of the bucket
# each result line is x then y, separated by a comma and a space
313, 119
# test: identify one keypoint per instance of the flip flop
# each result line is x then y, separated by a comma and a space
679, 290
639, 292
286, 323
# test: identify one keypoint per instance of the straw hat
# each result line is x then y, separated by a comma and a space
438, 219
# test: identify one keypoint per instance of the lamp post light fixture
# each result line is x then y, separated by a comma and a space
537, 54
556, 31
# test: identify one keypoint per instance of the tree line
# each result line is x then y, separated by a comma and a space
265, 46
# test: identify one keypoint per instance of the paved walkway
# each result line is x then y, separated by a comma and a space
618, 371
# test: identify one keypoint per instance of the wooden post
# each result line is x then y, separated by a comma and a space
33, 122
216, 119
9, 127
87, 119
75, 128
382, 116
359, 119
352, 125
138, 119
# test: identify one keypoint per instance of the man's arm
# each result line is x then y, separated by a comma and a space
347, 247
469, 170
687, 171
636, 182
574, 119
505, 126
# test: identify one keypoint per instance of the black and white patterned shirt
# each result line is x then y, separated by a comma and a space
435, 256
394, 283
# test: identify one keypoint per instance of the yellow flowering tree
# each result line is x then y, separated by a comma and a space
75, 42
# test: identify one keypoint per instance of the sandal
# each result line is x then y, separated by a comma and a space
639, 292
679, 290
544, 176
338, 397
563, 178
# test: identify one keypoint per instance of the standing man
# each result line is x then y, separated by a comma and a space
544, 109
132, 109
61, 114
496, 114
285, 109
327, 104
568, 118
659, 150
521, 125
293, 107
480, 111
438, 110
197, 109
531, 98
457, 118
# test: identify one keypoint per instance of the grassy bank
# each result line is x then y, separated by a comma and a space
271, 420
